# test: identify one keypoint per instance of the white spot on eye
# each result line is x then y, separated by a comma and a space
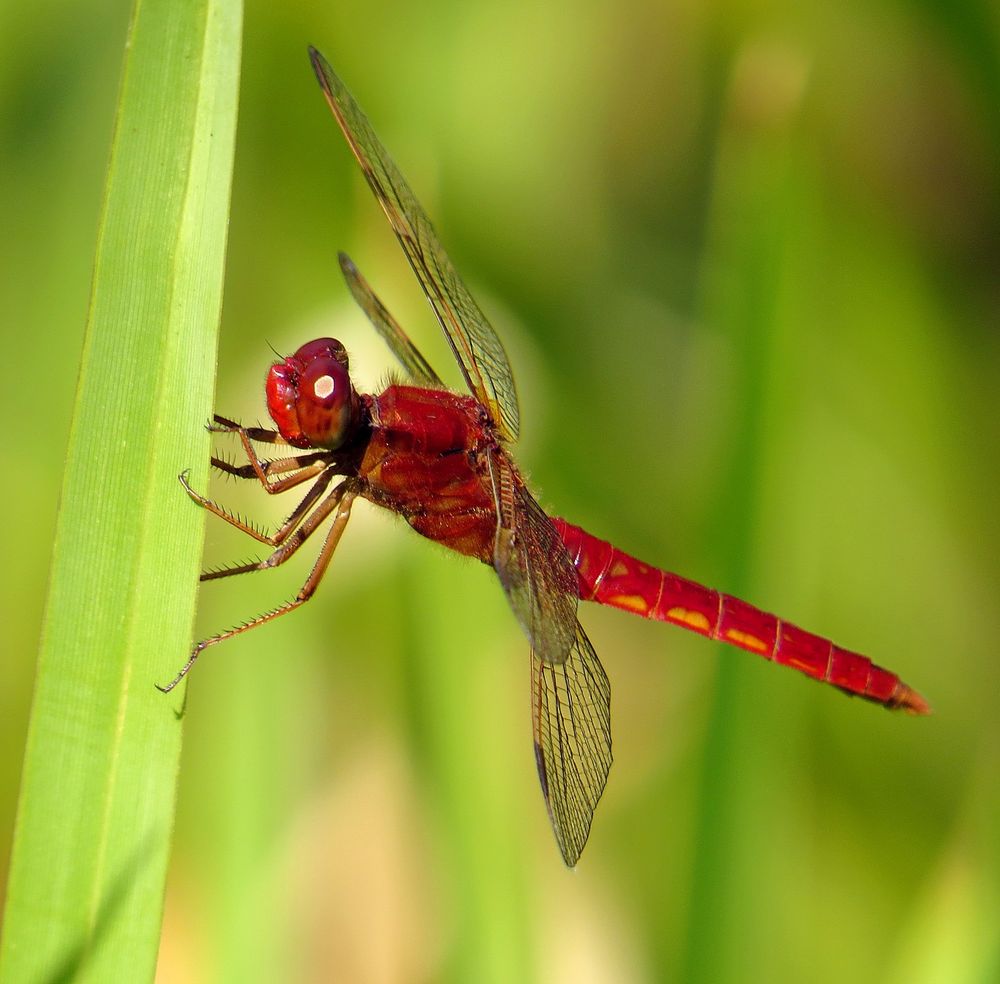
324, 387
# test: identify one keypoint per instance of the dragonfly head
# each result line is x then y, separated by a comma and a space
310, 396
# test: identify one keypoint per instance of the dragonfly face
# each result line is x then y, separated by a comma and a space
311, 398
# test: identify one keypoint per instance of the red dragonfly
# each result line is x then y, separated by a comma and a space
442, 461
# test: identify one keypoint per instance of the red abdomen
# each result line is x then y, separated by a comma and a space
611, 577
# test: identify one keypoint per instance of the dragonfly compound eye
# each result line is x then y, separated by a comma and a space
310, 396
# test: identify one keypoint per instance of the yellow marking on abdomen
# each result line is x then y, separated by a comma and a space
798, 664
746, 639
697, 620
632, 603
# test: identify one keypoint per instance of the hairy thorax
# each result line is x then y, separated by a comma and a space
428, 459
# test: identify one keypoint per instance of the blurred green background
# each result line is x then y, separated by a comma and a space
744, 258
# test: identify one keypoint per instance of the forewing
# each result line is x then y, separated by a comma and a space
571, 714
479, 352
416, 366
533, 565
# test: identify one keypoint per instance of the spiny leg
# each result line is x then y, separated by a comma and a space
319, 468
296, 468
279, 466
289, 544
340, 499
223, 425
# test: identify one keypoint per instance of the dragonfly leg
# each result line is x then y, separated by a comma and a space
284, 540
279, 466
258, 468
338, 502
277, 538
223, 425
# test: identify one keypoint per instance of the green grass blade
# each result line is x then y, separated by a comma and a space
85, 893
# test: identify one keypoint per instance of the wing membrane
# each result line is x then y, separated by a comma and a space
534, 566
416, 366
477, 349
571, 714
570, 693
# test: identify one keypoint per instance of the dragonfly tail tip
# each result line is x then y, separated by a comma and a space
912, 702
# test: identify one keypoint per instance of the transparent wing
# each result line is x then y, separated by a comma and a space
533, 565
570, 693
571, 714
416, 366
477, 349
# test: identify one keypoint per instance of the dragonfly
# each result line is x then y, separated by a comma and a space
442, 460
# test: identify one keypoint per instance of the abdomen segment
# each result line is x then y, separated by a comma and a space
610, 577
